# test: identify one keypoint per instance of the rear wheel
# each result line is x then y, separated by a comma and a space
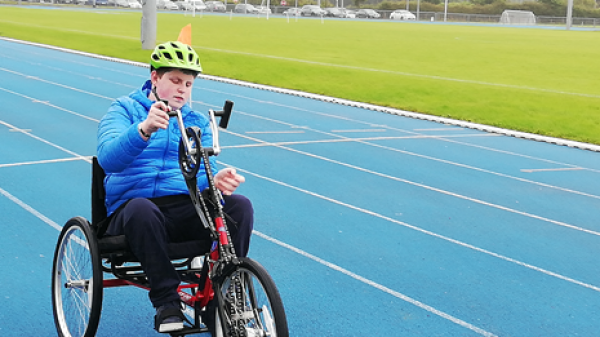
77, 280
252, 306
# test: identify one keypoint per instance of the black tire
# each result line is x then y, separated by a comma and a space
77, 280
251, 304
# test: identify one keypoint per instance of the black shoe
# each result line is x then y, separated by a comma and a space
169, 317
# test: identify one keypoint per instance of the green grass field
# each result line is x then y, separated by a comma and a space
534, 80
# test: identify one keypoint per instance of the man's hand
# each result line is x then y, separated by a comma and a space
227, 180
158, 118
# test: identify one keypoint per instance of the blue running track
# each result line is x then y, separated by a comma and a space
371, 224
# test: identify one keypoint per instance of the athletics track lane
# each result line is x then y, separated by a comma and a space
423, 229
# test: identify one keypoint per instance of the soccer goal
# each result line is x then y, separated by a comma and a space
517, 17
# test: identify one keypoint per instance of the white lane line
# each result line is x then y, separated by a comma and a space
51, 105
305, 254
30, 209
431, 188
57, 84
86, 158
553, 169
427, 232
408, 114
272, 132
377, 285
396, 150
425, 157
414, 115
341, 140
49, 161
440, 129
359, 130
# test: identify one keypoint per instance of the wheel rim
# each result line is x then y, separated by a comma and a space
73, 283
249, 306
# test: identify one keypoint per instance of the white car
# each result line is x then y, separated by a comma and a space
402, 14
263, 9
349, 14
195, 5
134, 4
166, 4
245, 8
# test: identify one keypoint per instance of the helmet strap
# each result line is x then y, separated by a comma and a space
155, 93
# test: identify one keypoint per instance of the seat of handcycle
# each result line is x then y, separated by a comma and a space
117, 244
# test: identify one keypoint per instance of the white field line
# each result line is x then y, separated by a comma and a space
448, 121
424, 231
331, 65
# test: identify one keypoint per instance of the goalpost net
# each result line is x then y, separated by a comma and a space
517, 17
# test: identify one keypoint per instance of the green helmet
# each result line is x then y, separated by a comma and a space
175, 54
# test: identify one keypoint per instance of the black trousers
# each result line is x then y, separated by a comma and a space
149, 228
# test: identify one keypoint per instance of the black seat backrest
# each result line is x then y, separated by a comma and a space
99, 217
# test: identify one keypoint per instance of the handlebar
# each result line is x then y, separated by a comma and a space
224, 114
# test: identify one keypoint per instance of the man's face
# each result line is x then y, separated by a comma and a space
173, 86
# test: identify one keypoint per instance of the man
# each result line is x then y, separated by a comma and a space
146, 195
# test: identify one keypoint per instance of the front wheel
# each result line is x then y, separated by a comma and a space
77, 280
251, 305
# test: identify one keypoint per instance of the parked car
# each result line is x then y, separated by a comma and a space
192, 5
367, 13
215, 6
348, 13
263, 10
91, 2
292, 11
134, 4
312, 10
335, 12
245, 8
166, 4
402, 14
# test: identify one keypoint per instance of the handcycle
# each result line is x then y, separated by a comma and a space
240, 292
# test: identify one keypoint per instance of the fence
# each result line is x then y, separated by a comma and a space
385, 14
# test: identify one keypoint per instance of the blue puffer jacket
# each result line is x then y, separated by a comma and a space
136, 168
